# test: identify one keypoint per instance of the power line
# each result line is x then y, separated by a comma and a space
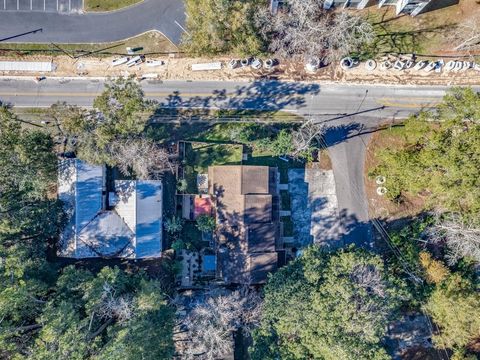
386, 237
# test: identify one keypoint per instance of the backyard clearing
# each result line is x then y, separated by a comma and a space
108, 5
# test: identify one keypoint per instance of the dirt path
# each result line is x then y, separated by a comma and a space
180, 69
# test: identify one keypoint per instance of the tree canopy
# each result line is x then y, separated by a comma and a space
29, 218
114, 133
304, 29
222, 26
300, 28
111, 315
77, 314
453, 306
27, 173
327, 306
212, 320
205, 223
449, 295
120, 113
439, 159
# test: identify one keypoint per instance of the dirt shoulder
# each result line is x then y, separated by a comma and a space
176, 68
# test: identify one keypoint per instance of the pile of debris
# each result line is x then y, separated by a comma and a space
136, 61
250, 62
406, 62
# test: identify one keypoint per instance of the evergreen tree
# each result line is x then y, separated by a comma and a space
205, 223
225, 26
454, 305
327, 306
439, 159
113, 315
29, 217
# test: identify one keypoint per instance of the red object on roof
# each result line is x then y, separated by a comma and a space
203, 206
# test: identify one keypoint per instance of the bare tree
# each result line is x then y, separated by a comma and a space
110, 308
369, 278
466, 36
347, 34
213, 320
305, 30
461, 238
302, 138
115, 307
142, 157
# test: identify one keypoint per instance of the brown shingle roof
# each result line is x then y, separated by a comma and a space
254, 180
246, 229
261, 264
238, 179
261, 237
258, 209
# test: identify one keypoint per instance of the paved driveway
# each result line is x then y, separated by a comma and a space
60, 24
314, 207
62, 6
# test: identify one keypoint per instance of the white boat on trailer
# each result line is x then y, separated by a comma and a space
120, 61
458, 66
431, 65
134, 60
450, 65
420, 65
154, 63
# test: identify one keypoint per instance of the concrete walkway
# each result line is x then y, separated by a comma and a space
166, 16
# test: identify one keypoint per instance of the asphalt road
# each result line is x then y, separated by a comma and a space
351, 114
166, 16
328, 102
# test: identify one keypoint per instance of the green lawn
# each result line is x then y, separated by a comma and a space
206, 155
267, 159
108, 5
221, 154
199, 156
148, 43
223, 132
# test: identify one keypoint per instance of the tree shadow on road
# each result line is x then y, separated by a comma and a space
258, 95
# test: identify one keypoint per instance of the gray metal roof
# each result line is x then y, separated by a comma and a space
131, 229
149, 215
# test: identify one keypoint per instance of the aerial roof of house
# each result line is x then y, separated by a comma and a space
247, 221
129, 226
